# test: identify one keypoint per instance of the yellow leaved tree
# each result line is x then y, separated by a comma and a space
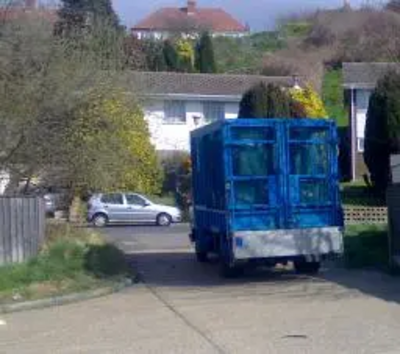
185, 52
109, 148
310, 102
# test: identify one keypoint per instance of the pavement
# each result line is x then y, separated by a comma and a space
185, 307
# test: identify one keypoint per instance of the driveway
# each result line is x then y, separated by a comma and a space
184, 307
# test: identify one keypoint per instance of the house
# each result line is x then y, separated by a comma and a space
28, 9
191, 18
176, 103
359, 80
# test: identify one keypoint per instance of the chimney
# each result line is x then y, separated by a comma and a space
31, 4
191, 7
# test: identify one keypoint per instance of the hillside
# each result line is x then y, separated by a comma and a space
314, 46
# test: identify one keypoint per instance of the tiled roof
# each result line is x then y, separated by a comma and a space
170, 18
365, 75
163, 83
19, 13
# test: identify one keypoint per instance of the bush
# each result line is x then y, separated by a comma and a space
64, 259
72, 260
105, 261
265, 101
366, 246
310, 101
382, 131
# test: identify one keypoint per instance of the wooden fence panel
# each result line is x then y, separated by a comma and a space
22, 228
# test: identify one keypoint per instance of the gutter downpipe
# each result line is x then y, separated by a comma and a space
353, 136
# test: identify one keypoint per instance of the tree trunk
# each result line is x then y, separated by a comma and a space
75, 213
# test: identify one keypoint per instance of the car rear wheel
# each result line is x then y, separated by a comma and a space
164, 220
100, 220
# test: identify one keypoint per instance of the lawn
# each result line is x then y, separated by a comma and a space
366, 246
72, 260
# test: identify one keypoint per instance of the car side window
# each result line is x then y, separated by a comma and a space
133, 199
113, 198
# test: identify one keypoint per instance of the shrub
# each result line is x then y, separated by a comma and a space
265, 101
106, 260
205, 57
64, 259
382, 132
310, 101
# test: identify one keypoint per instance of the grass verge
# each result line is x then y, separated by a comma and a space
366, 246
71, 260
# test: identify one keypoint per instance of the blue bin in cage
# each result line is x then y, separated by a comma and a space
266, 191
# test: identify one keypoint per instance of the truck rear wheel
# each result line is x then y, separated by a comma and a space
228, 271
303, 267
202, 257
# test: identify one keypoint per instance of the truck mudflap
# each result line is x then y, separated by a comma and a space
313, 242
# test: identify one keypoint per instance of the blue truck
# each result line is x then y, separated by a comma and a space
266, 191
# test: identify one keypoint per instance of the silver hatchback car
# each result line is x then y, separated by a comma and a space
129, 208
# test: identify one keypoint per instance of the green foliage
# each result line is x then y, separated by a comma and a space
366, 246
70, 261
108, 146
64, 259
266, 41
170, 56
106, 261
296, 28
76, 16
263, 101
382, 132
245, 55
185, 53
205, 58
332, 96
310, 101
154, 54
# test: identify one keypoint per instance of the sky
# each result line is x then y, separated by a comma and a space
259, 14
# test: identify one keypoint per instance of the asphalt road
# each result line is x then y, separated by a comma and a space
185, 307
144, 238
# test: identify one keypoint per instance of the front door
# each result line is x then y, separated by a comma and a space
114, 204
138, 209
311, 170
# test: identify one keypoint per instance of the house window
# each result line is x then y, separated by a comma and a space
362, 99
174, 112
360, 144
213, 111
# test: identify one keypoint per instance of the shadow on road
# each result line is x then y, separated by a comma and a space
180, 269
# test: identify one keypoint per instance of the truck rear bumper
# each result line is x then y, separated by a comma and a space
313, 242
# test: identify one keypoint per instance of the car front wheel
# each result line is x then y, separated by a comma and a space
164, 220
100, 220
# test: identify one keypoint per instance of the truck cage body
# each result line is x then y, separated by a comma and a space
266, 189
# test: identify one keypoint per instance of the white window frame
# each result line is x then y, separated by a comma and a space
365, 95
360, 144
179, 107
214, 104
